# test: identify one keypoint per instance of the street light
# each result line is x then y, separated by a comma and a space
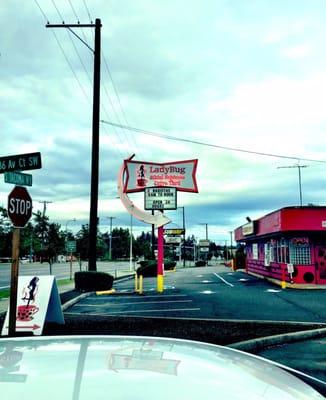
110, 242
299, 176
130, 255
69, 220
184, 235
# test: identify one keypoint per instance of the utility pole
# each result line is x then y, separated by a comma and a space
95, 133
206, 230
184, 235
299, 173
110, 242
44, 202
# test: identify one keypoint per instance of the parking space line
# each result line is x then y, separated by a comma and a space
138, 311
133, 303
222, 279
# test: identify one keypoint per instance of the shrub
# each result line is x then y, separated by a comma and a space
200, 263
92, 281
148, 268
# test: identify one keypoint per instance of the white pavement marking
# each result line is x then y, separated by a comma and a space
146, 297
206, 281
273, 290
139, 311
244, 280
223, 280
133, 303
4, 287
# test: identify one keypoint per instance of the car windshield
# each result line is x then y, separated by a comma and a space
163, 166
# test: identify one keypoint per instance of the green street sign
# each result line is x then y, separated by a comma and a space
18, 178
20, 162
71, 246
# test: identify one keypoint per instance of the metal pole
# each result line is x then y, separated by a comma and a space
206, 231
184, 236
130, 262
300, 188
153, 239
14, 282
95, 148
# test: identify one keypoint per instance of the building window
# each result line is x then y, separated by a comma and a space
255, 251
300, 254
279, 251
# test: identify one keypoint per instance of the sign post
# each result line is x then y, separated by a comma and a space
19, 211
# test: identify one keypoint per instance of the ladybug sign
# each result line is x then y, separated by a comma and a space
19, 206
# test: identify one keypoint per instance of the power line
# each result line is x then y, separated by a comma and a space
87, 11
197, 142
60, 15
45, 17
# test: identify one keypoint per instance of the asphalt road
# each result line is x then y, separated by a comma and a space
59, 270
209, 292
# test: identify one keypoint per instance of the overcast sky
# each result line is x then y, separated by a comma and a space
246, 74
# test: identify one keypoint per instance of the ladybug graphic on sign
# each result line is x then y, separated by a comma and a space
26, 311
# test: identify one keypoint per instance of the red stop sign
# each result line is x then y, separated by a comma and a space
19, 206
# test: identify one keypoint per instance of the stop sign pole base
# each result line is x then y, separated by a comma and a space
14, 282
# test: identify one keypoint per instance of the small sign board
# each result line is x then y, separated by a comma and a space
204, 243
160, 198
173, 232
18, 178
173, 240
37, 301
71, 246
20, 162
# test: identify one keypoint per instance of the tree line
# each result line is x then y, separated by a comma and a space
42, 240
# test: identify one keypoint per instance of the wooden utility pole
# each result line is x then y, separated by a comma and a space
95, 134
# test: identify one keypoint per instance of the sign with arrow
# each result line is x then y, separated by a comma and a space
37, 301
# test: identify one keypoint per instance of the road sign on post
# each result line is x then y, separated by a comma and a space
20, 162
18, 178
19, 206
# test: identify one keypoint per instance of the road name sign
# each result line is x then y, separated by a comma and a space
19, 206
20, 162
160, 198
18, 178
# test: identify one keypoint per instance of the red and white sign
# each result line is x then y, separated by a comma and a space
178, 174
38, 301
19, 206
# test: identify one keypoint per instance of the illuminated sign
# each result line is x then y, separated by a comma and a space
178, 174
160, 198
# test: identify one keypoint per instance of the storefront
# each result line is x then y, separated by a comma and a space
288, 244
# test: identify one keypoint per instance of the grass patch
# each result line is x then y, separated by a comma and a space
62, 282
4, 293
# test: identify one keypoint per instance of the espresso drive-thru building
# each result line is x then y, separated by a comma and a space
288, 244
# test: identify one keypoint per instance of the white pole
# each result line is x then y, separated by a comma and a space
130, 261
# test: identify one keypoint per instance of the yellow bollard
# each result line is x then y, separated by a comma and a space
160, 283
136, 283
140, 284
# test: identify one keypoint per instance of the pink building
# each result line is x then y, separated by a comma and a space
288, 244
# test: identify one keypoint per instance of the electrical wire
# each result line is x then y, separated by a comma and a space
169, 137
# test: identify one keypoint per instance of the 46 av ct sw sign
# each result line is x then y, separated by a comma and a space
21, 162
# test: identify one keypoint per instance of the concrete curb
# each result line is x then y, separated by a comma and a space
72, 302
288, 285
256, 345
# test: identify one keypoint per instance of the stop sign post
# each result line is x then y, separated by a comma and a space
19, 211
19, 206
